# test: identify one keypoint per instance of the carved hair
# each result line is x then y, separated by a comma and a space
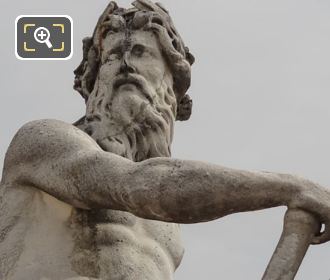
148, 16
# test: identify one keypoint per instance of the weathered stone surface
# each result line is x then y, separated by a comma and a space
101, 199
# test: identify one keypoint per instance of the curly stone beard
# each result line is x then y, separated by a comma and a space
131, 119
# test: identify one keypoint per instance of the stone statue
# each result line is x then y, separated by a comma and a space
102, 199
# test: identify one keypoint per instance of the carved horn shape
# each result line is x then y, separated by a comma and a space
298, 231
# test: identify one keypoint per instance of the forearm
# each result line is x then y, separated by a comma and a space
190, 191
164, 189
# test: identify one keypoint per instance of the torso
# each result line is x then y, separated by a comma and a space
49, 239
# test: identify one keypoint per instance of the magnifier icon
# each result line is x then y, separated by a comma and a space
41, 35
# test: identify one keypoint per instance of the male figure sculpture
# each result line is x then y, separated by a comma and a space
101, 199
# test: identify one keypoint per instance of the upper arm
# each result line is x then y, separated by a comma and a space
65, 162
39, 144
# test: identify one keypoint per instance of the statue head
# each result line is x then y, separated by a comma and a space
134, 77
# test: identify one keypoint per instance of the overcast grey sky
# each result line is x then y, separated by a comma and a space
261, 85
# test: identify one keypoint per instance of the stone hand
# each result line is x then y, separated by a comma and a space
315, 199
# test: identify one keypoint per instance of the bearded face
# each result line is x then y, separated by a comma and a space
131, 110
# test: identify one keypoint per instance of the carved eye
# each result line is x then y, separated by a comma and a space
107, 33
138, 50
113, 56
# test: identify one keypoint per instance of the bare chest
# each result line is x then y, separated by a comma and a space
109, 241
60, 241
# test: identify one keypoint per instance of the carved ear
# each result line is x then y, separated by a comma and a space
184, 108
189, 56
86, 72
80, 70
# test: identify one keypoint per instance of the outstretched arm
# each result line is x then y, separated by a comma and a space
66, 163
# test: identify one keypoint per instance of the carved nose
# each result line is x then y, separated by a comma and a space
126, 66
